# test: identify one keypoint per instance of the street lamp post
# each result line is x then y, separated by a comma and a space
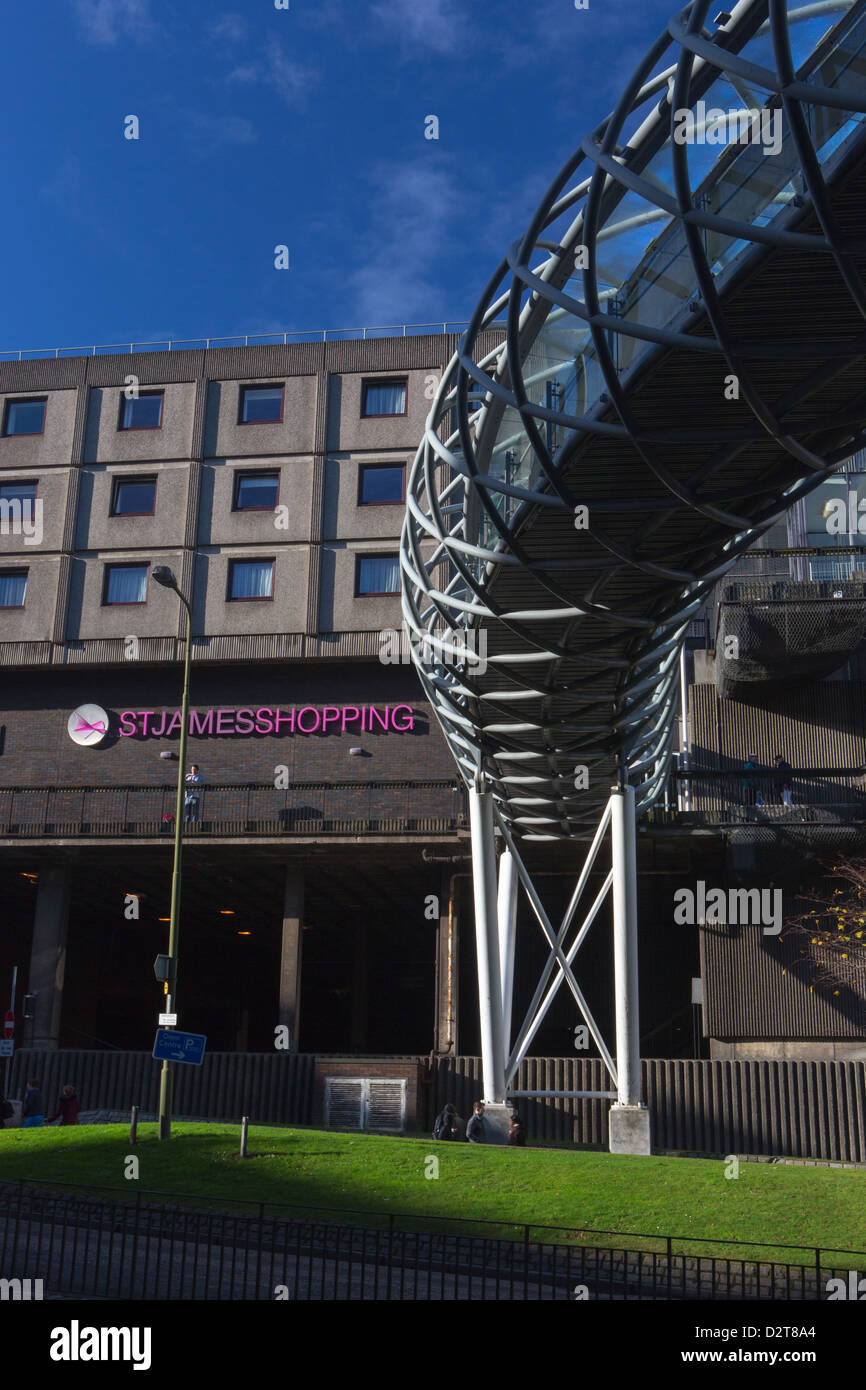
163, 575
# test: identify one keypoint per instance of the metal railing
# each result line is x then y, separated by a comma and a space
735, 795
317, 335
105, 1247
302, 808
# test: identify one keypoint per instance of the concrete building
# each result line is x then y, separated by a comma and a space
326, 875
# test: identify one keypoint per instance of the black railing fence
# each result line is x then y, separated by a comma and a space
735, 794
102, 1247
302, 808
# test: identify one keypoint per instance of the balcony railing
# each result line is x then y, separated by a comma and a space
234, 810
819, 796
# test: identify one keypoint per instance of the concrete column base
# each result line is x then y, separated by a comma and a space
629, 1129
497, 1122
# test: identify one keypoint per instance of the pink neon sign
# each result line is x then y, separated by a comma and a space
306, 719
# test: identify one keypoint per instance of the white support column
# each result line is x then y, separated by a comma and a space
487, 944
629, 1118
506, 916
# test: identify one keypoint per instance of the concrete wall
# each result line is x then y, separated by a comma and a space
285, 612
51, 491
294, 434
105, 442
88, 616
218, 524
45, 450
97, 529
340, 609
344, 518
348, 430
35, 621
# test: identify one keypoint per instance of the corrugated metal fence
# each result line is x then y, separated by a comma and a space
272, 1088
785, 1108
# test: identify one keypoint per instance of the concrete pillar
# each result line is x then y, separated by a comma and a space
506, 913
290, 954
447, 964
360, 973
48, 954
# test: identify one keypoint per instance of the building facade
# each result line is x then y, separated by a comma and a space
326, 883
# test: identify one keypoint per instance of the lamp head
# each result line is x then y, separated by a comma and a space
163, 575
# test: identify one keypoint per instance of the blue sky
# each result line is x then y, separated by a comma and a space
303, 127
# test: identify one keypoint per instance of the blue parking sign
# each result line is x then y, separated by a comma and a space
172, 1046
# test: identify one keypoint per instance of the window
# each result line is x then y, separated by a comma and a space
18, 492
25, 417
260, 404
13, 587
383, 397
251, 579
381, 483
256, 492
133, 497
125, 584
377, 574
142, 413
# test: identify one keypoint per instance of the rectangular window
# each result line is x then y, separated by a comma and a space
260, 404
251, 579
133, 497
125, 584
380, 483
256, 492
142, 413
377, 574
25, 417
383, 397
13, 587
18, 492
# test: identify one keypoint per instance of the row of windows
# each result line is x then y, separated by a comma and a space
257, 405
248, 580
135, 495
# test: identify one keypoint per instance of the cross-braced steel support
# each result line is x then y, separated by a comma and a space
495, 929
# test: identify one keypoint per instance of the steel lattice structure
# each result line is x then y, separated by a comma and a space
669, 358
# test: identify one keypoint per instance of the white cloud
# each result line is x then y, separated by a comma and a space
213, 131
276, 70
229, 27
105, 22
404, 258
422, 24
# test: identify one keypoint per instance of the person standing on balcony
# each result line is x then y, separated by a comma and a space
750, 780
783, 780
193, 780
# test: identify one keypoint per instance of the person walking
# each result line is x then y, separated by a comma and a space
33, 1109
447, 1125
67, 1106
475, 1132
193, 780
516, 1133
784, 781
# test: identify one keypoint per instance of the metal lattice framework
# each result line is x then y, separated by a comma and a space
669, 358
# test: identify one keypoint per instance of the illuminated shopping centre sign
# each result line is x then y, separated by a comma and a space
303, 719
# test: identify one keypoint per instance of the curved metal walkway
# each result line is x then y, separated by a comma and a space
683, 361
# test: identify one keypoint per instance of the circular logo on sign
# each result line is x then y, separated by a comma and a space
88, 724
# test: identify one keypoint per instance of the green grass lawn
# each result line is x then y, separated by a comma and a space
684, 1197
